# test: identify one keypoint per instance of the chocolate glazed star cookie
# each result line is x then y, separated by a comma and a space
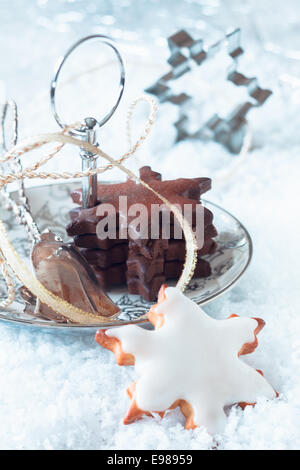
143, 262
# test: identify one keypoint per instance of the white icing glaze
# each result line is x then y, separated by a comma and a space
195, 358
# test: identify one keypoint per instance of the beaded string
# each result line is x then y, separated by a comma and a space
9, 285
30, 171
54, 302
27, 278
14, 160
9, 256
4, 267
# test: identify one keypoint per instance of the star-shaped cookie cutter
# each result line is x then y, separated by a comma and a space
185, 53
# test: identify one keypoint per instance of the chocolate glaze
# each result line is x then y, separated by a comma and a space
64, 272
180, 191
106, 258
144, 264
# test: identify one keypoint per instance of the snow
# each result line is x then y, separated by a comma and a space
65, 392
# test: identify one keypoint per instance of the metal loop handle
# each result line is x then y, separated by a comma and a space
109, 42
3, 142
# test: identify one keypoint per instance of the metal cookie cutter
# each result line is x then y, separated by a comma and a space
87, 130
187, 52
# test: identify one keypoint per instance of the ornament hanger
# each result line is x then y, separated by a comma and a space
87, 130
33, 291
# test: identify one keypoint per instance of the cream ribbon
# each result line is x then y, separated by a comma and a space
19, 268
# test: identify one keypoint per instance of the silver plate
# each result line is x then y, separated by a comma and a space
50, 206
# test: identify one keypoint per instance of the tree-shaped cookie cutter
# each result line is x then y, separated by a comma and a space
185, 53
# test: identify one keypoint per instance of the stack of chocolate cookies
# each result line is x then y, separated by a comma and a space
143, 261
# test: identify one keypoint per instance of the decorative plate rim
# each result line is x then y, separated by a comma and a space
47, 325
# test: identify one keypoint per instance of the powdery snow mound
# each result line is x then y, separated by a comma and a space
68, 393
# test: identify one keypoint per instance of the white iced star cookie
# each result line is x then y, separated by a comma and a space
191, 360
